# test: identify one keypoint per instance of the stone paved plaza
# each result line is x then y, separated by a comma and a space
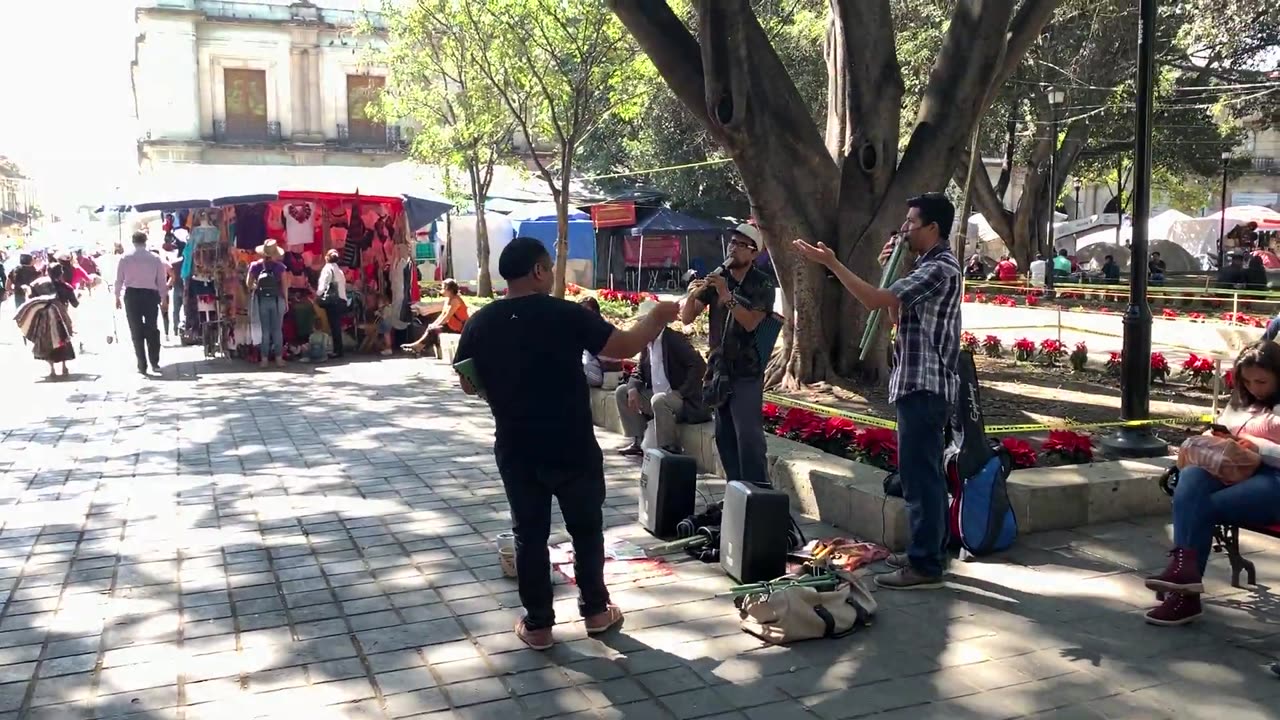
318, 543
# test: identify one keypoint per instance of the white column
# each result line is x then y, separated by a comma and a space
315, 96
297, 84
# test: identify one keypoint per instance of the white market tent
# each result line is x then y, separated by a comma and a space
1158, 228
1199, 236
466, 265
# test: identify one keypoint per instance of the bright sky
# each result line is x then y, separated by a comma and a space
68, 108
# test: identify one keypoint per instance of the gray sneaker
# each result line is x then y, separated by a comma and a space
908, 578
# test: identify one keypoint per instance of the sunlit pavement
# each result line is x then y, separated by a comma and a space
317, 542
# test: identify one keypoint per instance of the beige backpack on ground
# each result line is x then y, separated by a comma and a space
792, 613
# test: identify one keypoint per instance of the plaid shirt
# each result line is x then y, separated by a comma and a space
927, 347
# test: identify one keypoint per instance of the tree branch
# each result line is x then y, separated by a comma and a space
671, 47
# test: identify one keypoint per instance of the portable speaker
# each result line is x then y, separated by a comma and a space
753, 532
668, 485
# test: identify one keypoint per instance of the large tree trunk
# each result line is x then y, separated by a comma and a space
847, 189
484, 283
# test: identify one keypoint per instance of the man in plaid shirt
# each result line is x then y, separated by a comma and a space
923, 385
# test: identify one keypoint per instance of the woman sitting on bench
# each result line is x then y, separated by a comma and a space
1201, 501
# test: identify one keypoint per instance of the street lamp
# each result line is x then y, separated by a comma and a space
1056, 98
1076, 184
1135, 363
1222, 223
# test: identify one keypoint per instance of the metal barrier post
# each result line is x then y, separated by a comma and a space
1235, 306
1217, 384
1059, 324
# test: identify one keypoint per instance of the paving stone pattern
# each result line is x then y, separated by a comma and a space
318, 543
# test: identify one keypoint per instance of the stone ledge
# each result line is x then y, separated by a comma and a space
850, 495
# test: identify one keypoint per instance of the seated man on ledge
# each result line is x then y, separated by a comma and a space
666, 387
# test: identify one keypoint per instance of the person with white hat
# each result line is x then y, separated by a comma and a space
740, 297
666, 386
266, 286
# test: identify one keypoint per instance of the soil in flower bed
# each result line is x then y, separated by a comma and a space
1026, 393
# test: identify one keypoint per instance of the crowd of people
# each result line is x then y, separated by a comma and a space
44, 288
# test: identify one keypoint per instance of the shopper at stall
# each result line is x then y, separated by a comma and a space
923, 384
142, 278
331, 293
452, 317
266, 291
524, 353
46, 322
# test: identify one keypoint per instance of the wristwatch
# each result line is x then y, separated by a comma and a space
731, 303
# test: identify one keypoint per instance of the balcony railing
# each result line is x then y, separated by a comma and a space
1266, 165
388, 138
241, 132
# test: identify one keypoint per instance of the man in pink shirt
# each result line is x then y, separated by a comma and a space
143, 279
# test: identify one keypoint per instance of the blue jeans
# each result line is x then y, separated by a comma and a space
740, 433
1273, 329
1202, 501
922, 421
271, 316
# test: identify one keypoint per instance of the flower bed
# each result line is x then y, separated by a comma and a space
1109, 302
878, 446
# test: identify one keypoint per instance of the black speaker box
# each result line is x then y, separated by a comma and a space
668, 486
753, 532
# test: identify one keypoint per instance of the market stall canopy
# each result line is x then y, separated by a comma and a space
665, 221
1158, 228
1266, 218
1199, 236
177, 187
539, 222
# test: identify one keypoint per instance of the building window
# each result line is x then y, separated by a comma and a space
362, 91
246, 97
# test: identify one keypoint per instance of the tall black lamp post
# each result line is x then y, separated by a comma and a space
1222, 223
1056, 97
1135, 365
1076, 184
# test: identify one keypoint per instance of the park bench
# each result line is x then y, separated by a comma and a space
1226, 538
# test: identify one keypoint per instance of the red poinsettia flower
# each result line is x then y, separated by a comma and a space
797, 420
1072, 446
1195, 316
1169, 313
979, 298
839, 428
1229, 379
771, 412
968, 297
1032, 301
991, 341
878, 445
1158, 363
1024, 345
1020, 451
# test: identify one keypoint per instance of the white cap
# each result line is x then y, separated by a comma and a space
752, 232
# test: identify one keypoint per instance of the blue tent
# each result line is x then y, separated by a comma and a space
539, 221
665, 221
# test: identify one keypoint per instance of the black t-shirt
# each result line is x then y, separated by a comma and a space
737, 350
527, 353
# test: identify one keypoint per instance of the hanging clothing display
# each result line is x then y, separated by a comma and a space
251, 225
299, 224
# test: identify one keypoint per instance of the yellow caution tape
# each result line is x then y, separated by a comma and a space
991, 429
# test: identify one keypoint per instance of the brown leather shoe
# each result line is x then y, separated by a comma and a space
603, 622
1177, 609
1181, 576
538, 639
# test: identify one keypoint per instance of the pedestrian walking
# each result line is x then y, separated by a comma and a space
524, 353
266, 287
45, 319
142, 278
923, 384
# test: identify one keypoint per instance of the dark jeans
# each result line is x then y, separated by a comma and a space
142, 309
335, 310
1273, 329
740, 433
580, 493
1202, 501
922, 421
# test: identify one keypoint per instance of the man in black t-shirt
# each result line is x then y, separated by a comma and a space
526, 352
740, 297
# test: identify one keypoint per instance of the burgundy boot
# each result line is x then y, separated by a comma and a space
1177, 609
1181, 576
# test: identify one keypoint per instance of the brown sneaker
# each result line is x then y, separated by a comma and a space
1177, 609
1181, 576
897, 561
908, 578
538, 639
603, 622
